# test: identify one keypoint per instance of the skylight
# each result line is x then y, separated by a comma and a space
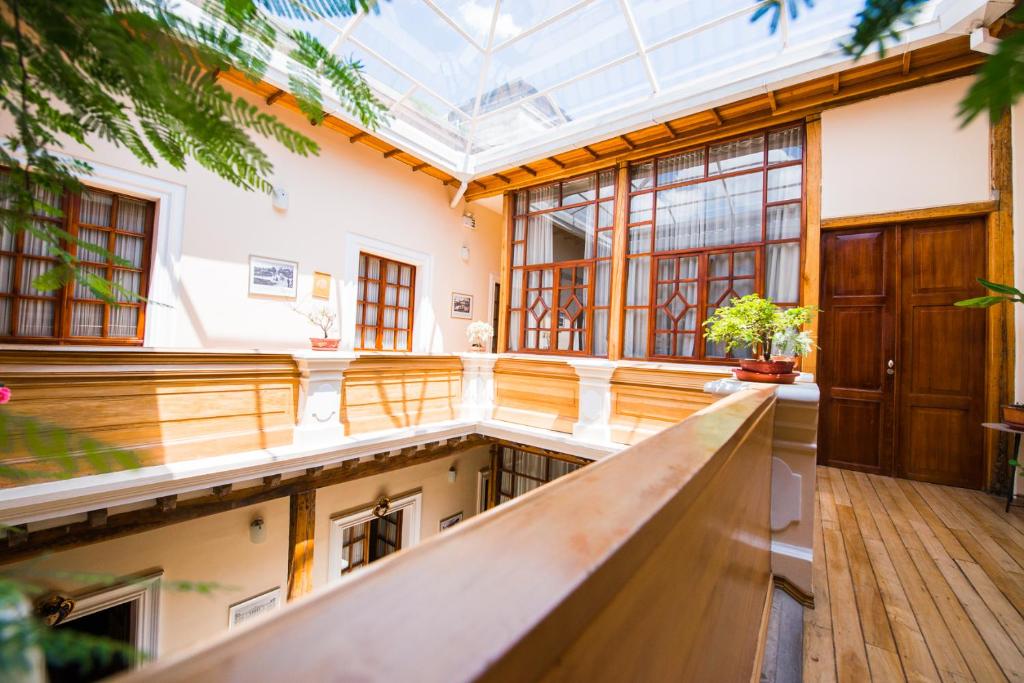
475, 86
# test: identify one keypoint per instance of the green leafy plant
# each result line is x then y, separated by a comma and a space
759, 324
143, 76
1004, 294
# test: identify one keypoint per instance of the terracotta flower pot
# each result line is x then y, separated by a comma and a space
324, 344
765, 377
1014, 416
767, 367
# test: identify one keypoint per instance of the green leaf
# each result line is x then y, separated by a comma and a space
1002, 289
981, 302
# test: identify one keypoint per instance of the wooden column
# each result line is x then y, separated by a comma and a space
810, 270
506, 273
620, 236
301, 530
999, 384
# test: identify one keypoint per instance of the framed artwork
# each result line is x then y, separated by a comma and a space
321, 285
273, 277
254, 607
449, 522
462, 305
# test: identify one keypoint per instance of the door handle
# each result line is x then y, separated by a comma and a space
890, 369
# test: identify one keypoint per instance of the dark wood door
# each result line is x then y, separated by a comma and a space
902, 369
858, 338
941, 371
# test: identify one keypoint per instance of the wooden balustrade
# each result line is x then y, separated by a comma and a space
652, 564
165, 406
392, 391
646, 400
538, 393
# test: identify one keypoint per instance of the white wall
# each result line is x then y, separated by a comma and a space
903, 151
349, 190
440, 497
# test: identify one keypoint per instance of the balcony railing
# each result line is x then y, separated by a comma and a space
653, 564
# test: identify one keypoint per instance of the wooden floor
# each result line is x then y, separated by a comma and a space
914, 582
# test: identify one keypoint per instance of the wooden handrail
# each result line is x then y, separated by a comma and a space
652, 564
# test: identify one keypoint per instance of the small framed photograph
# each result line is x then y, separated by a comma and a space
273, 277
321, 285
254, 607
449, 522
462, 305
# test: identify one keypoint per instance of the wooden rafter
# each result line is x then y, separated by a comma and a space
629, 143
358, 136
835, 84
392, 152
418, 167
905, 66
772, 102
503, 178
716, 116
528, 170
586, 148
480, 184
275, 96
557, 162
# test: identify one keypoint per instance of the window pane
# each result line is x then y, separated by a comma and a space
6, 273
607, 182
5, 315
785, 145
681, 167
30, 270
35, 318
98, 238
521, 207
603, 283
640, 207
784, 221
560, 236
782, 277
638, 274
635, 337
124, 321
639, 239
785, 183
578, 190
544, 197
605, 215
131, 215
130, 249
520, 231
736, 155
601, 332
641, 176
95, 208
82, 291
87, 320
718, 212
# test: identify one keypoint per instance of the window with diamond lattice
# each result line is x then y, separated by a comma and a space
706, 226
561, 266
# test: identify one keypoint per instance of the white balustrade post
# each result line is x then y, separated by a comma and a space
321, 374
594, 421
477, 386
794, 461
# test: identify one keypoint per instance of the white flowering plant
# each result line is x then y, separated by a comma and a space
479, 333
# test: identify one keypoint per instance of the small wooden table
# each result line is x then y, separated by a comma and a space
1003, 427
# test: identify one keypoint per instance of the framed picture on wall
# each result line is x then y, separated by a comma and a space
254, 607
321, 285
273, 277
462, 305
450, 521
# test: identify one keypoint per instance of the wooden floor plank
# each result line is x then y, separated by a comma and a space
941, 644
873, 618
982, 641
819, 646
1015, 517
995, 525
851, 657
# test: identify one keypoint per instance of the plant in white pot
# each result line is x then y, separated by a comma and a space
770, 331
479, 334
322, 317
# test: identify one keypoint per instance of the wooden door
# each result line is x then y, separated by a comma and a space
941, 371
858, 338
902, 369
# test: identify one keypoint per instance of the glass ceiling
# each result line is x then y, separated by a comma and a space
475, 86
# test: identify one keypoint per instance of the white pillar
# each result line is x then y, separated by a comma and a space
794, 462
321, 374
594, 421
477, 386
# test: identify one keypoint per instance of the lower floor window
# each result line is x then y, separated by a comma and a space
520, 472
374, 532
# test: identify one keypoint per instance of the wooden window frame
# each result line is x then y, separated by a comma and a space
64, 298
382, 284
501, 470
759, 247
599, 231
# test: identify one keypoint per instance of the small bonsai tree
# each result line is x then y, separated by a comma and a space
751, 321
321, 317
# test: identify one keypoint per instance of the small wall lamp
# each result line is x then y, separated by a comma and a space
464, 253
452, 474
257, 530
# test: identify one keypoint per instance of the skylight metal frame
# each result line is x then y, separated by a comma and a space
781, 65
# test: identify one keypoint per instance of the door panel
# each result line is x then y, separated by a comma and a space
857, 339
942, 354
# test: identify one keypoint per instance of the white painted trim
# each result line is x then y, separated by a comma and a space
164, 279
794, 551
411, 520
144, 591
481, 477
424, 334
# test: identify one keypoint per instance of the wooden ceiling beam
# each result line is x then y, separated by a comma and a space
392, 152
557, 162
477, 182
771, 101
358, 136
419, 167
275, 96
529, 170
503, 178
629, 143
905, 65
586, 148
716, 116
835, 84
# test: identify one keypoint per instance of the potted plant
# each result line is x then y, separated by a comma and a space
324, 318
479, 334
765, 328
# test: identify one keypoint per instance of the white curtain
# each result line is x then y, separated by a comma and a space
782, 276
540, 240
638, 274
